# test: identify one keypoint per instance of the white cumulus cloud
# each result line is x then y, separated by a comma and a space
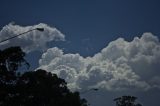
34, 40
120, 65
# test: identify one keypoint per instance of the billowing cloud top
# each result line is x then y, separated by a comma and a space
121, 65
34, 40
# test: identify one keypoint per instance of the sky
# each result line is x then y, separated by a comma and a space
112, 45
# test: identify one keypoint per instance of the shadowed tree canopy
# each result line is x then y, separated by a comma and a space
33, 88
126, 101
12, 58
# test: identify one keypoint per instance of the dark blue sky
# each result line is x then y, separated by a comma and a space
90, 23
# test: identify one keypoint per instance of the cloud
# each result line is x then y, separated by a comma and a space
31, 41
121, 65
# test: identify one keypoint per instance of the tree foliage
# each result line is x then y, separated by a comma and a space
33, 88
126, 101
12, 58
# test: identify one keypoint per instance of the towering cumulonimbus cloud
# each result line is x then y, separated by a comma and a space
120, 65
34, 40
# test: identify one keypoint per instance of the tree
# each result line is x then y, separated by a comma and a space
33, 88
126, 101
12, 58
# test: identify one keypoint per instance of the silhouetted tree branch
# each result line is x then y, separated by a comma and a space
126, 101
33, 88
12, 58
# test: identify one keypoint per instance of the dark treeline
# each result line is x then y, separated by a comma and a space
126, 101
33, 88
38, 88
